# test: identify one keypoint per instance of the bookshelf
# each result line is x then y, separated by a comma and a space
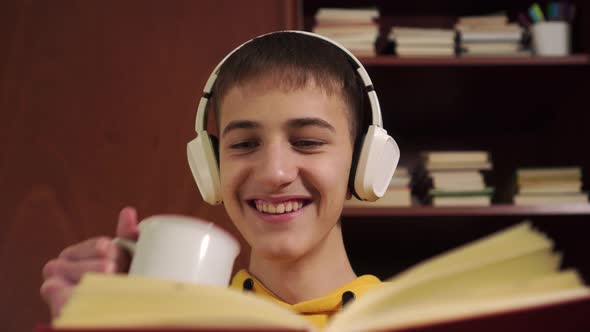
526, 111
392, 61
494, 210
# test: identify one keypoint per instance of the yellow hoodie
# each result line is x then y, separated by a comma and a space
317, 311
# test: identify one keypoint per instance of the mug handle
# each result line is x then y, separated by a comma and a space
126, 244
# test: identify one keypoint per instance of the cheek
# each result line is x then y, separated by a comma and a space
230, 177
330, 177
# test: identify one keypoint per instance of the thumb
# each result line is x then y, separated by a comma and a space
127, 224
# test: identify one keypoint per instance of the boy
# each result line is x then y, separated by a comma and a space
288, 108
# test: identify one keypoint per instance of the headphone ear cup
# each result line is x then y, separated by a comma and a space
358, 144
203, 156
378, 158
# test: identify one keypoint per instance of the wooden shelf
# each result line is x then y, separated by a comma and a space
494, 210
393, 61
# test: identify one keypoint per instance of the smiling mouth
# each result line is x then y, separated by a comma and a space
278, 208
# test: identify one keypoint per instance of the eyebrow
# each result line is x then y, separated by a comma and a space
294, 123
239, 124
308, 121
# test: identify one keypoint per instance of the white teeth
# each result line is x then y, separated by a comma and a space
279, 208
288, 207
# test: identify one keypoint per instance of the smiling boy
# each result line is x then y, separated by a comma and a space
288, 108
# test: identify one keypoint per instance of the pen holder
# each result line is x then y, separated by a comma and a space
551, 38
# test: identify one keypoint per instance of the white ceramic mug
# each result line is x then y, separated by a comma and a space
551, 38
182, 248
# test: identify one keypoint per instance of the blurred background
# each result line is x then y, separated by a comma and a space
98, 101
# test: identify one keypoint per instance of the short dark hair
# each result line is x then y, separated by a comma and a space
293, 60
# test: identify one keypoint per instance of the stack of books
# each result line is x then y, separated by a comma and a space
355, 29
409, 41
455, 178
398, 193
549, 185
490, 35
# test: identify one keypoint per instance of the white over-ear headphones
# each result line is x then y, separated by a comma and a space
371, 172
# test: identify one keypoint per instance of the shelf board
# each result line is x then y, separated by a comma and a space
494, 210
393, 61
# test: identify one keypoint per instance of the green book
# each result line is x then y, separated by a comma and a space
483, 192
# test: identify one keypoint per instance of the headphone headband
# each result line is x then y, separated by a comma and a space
201, 120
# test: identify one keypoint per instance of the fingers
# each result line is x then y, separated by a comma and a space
99, 247
55, 292
127, 224
73, 271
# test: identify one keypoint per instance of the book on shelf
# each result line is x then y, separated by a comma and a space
488, 27
454, 178
457, 180
398, 193
549, 185
490, 35
477, 197
568, 172
347, 14
455, 156
410, 51
551, 199
490, 284
393, 197
414, 41
455, 166
354, 29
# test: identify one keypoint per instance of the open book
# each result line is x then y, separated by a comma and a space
507, 274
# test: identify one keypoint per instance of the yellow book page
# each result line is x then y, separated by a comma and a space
496, 264
104, 301
563, 287
515, 241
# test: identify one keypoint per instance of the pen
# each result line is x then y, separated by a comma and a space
536, 13
551, 12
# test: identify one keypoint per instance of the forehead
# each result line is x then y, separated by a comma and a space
264, 100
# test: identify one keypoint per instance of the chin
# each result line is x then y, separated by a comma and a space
280, 252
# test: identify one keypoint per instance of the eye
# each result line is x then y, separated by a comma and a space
244, 145
308, 144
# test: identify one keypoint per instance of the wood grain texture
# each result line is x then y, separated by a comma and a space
98, 101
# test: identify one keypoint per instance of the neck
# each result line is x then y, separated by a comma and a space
325, 268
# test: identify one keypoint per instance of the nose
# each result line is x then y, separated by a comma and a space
277, 166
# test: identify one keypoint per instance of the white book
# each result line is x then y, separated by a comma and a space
491, 47
347, 13
461, 201
550, 187
424, 41
456, 175
415, 32
425, 51
549, 172
394, 197
456, 156
491, 36
437, 166
550, 199
371, 30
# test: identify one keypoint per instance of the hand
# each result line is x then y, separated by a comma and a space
97, 254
